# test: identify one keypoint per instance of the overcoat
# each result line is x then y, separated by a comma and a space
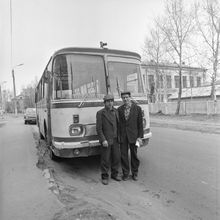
104, 126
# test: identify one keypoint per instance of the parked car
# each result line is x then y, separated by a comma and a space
30, 116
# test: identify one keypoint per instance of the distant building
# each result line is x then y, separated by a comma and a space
162, 85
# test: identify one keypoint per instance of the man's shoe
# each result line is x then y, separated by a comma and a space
135, 177
125, 177
105, 181
116, 178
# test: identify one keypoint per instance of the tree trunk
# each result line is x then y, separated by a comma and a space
180, 88
213, 93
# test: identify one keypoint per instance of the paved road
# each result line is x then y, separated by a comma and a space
24, 192
179, 179
184, 166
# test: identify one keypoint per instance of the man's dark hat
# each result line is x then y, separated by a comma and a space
125, 93
108, 97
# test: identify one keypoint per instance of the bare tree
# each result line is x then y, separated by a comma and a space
154, 50
28, 94
177, 25
154, 47
208, 21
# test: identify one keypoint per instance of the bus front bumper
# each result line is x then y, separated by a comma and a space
83, 148
146, 139
76, 149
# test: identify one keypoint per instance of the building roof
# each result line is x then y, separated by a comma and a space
152, 64
196, 92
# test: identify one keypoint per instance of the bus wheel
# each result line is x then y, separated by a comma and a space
41, 136
45, 132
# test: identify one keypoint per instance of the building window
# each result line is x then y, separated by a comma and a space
191, 81
169, 84
152, 88
184, 82
150, 79
177, 81
198, 81
144, 78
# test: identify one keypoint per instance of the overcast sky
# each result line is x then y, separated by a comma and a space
40, 27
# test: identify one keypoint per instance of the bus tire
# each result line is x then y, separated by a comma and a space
38, 124
45, 132
41, 136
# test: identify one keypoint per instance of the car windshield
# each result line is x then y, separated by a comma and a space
78, 77
125, 77
30, 110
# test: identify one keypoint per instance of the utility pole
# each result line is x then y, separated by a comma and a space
14, 88
12, 68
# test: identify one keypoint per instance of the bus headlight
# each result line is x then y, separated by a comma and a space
76, 130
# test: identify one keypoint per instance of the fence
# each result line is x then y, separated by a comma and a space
186, 107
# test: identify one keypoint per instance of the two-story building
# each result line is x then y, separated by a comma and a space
162, 80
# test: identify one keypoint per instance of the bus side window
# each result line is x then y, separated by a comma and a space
60, 77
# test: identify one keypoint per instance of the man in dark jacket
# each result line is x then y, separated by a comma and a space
107, 130
131, 130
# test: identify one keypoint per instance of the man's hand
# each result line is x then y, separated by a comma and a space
105, 143
139, 140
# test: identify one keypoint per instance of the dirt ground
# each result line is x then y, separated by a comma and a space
75, 206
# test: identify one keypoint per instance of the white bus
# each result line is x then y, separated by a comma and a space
71, 91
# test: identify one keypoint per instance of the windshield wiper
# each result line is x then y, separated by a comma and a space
83, 101
87, 94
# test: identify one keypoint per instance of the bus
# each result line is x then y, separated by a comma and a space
71, 90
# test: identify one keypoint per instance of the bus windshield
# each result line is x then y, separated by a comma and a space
78, 76
125, 77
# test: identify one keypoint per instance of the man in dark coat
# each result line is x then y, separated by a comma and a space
107, 130
131, 132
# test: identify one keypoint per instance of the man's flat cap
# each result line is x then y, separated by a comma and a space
108, 97
125, 93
